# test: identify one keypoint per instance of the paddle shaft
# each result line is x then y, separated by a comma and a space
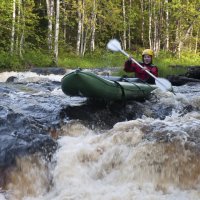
148, 72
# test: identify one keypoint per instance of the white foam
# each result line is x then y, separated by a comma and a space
28, 76
114, 165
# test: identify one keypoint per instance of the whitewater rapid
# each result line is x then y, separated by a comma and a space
142, 159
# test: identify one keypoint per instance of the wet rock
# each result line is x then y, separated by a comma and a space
193, 72
49, 70
20, 135
178, 80
16, 145
28, 113
11, 79
192, 75
103, 115
187, 109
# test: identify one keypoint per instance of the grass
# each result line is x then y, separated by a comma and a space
96, 60
167, 64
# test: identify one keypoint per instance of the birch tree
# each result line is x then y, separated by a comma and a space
83, 35
143, 21
56, 31
124, 23
79, 28
196, 42
50, 11
21, 17
129, 25
150, 24
13, 27
18, 22
167, 25
64, 20
93, 26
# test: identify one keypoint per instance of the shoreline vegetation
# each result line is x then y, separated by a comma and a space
168, 64
74, 33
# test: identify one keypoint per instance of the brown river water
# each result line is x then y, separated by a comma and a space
145, 158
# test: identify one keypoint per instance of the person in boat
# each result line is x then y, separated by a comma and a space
147, 59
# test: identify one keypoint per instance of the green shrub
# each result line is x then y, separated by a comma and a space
166, 62
37, 58
9, 62
92, 60
172, 65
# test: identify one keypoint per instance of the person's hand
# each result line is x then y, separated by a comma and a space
129, 61
130, 58
146, 68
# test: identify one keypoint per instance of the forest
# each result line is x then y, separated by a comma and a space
50, 32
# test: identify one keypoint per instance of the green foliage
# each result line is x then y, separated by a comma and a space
190, 58
169, 64
37, 58
92, 60
31, 32
8, 62
166, 63
5, 23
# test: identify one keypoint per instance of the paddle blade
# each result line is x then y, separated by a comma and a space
114, 45
163, 84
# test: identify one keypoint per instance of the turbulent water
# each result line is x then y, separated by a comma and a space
148, 158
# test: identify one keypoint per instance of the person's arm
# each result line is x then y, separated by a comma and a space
130, 66
154, 71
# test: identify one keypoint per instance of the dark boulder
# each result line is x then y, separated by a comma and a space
178, 80
191, 75
28, 116
11, 79
49, 70
193, 72
20, 135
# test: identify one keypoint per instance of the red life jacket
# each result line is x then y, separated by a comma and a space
139, 72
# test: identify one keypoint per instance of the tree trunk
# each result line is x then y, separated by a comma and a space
18, 27
124, 23
155, 26
129, 27
85, 41
21, 44
82, 28
93, 27
167, 26
13, 28
150, 23
196, 42
181, 39
50, 9
78, 42
56, 31
64, 22
143, 23
156, 40
190, 42
159, 26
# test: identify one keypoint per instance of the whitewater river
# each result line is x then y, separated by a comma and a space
151, 153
